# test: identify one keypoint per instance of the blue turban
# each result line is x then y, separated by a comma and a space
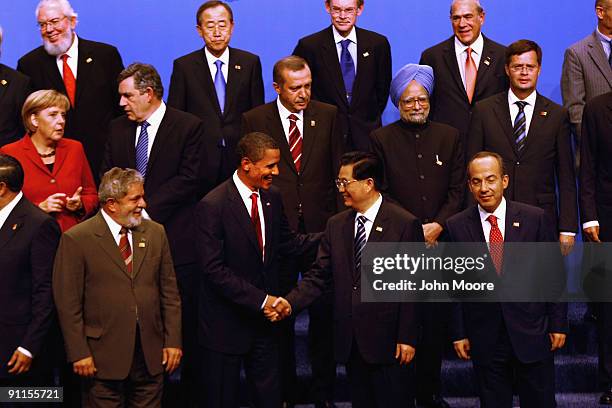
423, 74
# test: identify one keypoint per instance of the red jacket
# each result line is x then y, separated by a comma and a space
70, 171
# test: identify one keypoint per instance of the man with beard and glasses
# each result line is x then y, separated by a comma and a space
117, 299
424, 172
84, 70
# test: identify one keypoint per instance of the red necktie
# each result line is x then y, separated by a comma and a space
295, 141
496, 244
125, 249
470, 75
255, 220
69, 81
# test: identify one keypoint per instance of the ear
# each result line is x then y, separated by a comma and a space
360, 10
200, 31
245, 164
505, 181
73, 22
507, 69
34, 119
277, 88
327, 7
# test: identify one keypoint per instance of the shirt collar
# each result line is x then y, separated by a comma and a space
352, 35
114, 227
244, 190
6, 211
476, 46
284, 112
499, 213
156, 117
372, 212
211, 58
531, 99
73, 51
601, 36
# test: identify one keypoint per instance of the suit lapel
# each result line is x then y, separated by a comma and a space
329, 51
275, 129
162, 136
108, 244
484, 68
502, 113
234, 80
5, 81
13, 223
268, 217
475, 227
140, 247
203, 71
242, 215
598, 56
60, 157
310, 134
32, 154
364, 53
130, 142
513, 223
538, 121
51, 71
450, 58
84, 67
348, 236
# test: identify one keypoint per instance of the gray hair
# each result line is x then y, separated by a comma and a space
145, 76
64, 5
479, 8
116, 183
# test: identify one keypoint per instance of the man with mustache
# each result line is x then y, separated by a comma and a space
163, 144
310, 143
83, 70
117, 299
427, 156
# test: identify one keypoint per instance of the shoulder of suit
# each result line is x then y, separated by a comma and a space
525, 209
494, 45
316, 38
371, 35
581, 44
462, 216
261, 109
33, 57
35, 214
397, 212
120, 122
12, 75
193, 56
439, 47
243, 54
70, 143
181, 116
489, 102
98, 46
550, 104
322, 107
443, 129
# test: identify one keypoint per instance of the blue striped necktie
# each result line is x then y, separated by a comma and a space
520, 126
348, 68
360, 241
220, 85
142, 148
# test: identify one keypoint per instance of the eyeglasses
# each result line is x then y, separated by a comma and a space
411, 102
344, 183
336, 11
53, 23
519, 68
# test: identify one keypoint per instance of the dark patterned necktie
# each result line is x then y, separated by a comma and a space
295, 141
496, 244
348, 68
520, 126
142, 147
125, 249
360, 241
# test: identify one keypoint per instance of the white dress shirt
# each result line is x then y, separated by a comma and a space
154, 121
605, 42
461, 54
115, 228
499, 213
284, 115
211, 59
352, 48
73, 58
514, 109
370, 215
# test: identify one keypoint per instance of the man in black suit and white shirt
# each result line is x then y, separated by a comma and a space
351, 69
217, 83
28, 241
461, 82
84, 70
163, 144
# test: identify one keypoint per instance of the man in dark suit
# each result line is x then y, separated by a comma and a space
506, 341
595, 203
532, 134
241, 231
84, 70
427, 156
310, 146
163, 144
468, 67
117, 299
351, 69
218, 84
375, 350
14, 89
28, 241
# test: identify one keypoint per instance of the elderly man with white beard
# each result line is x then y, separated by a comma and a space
86, 71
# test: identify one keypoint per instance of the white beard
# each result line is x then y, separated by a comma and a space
61, 46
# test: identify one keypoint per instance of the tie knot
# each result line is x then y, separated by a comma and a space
362, 219
218, 63
292, 117
254, 196
144, 124
469, 51
521, 105
65, 57
123, 231
492, 220
345, 43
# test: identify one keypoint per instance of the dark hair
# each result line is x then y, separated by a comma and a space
145, 76
365, 165
484, 154
11, 173
520, 47
291, 63
210, 4
253, 146
359, 3
602, 3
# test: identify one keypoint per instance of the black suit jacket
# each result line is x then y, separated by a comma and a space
595, 165
449, 102
527, 324
97, 98
192, 90
28, 241
14, 89
370, 89
429, 158
171, 183
312, 192
544, 166
376, 327
235, 278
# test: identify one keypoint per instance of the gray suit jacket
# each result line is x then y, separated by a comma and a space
586, 74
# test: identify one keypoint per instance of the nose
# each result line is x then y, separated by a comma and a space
275, 171
122, 101
142, 203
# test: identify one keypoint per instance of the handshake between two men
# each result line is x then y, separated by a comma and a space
276, 308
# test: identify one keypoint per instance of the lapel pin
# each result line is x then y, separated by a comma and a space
543, 113
141, 245
14, 227
487, 61
379, 229
313, 123
3, 82
238, 67
438, 162
516, 224
366, 54
267, 204
89, 60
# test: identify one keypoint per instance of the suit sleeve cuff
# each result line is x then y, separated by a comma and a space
590, 224
25, 351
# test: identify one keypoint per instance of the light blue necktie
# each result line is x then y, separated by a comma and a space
348, 68
220, 85
141, 149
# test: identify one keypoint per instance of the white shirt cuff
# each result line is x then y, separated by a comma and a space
590, 224
569, 234
24, 351
264, 302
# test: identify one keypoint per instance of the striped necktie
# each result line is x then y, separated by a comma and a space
142, 148
125, 249
295, 141
360, 241
519, 133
